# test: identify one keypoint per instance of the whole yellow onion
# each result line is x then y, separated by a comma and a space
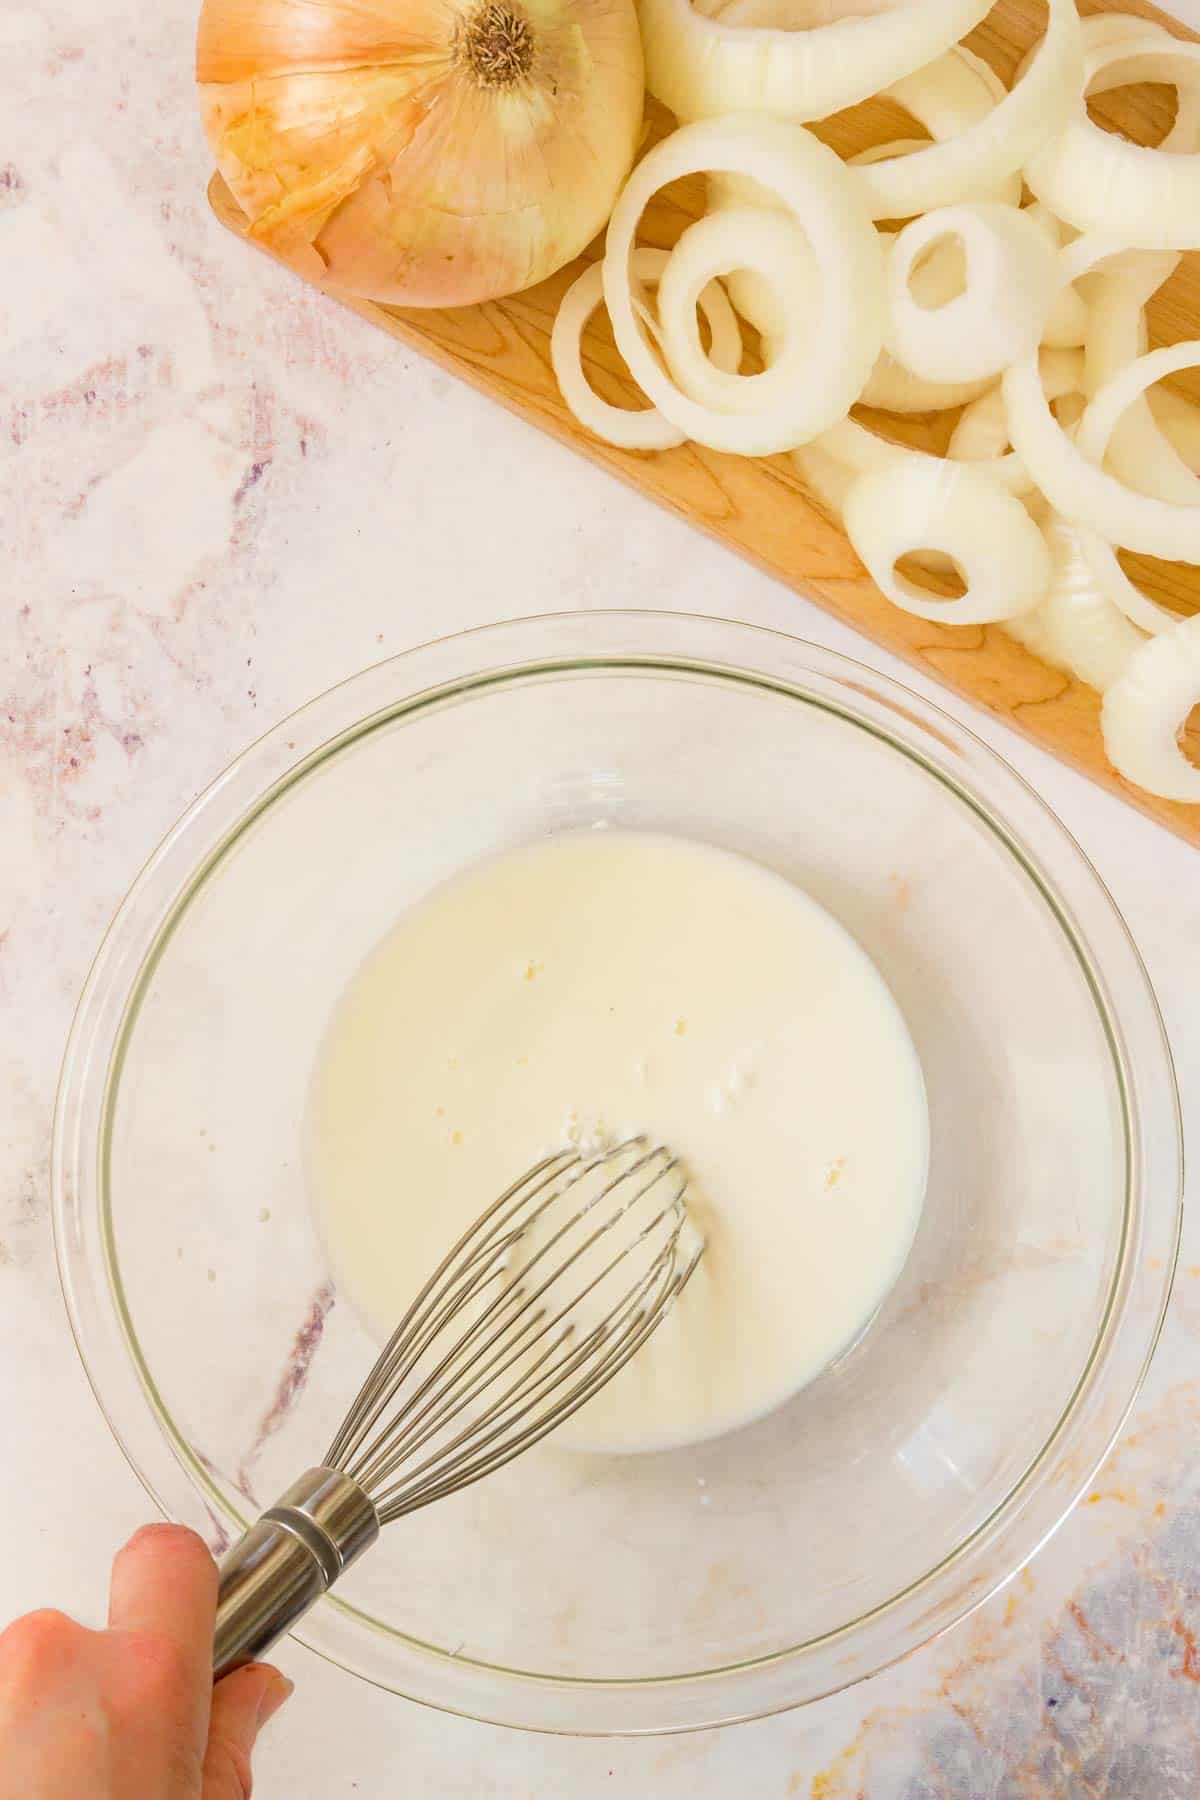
422, 152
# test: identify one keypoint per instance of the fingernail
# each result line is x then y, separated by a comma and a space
281, 1689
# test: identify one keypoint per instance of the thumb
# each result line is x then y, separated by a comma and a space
241, 1705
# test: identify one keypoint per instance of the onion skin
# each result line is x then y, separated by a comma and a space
373, 146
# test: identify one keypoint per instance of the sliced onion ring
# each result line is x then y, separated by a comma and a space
1128, 384
647, 429
1034, 631
1179, 420
1010, 283
1002, 141
891, 388
1099, 182
981, 435
1092, 438
1089, 637
862, 450
829, 479
1086, 495
948, 97
1138, 452
752, 294
764, 244
923, 503
703, 68
1066, 326
826, 375
1144, 713
1149, 59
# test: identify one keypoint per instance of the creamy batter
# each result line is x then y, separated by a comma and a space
603, 983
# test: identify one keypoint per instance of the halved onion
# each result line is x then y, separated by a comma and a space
1103, 183
1009, 283
993, 146
815, 379
922, 503
702, 67
1144, 713
647, 429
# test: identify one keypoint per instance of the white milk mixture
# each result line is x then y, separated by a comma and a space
599, 984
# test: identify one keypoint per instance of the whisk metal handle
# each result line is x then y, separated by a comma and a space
289, 1557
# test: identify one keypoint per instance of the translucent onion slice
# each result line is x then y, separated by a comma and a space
947, 97
1092, 438
647, 429
1103, 183
1010, 283
1129, 384
769, 247
991, 148
877, 153
817, 375
1121, 286
1139, 453
827, 478
860, 450
922, 503
702, 67
891, 388
1144, 713
1126, 595
752, 294
1088, 636
834, 461
1178, 419
981, 434
1148, 60
1081, 492
790, 15
951, 93
1034, 631
1066, 324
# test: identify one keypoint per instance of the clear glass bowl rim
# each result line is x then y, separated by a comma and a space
593, 642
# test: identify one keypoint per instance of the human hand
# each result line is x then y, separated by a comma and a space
131, 1713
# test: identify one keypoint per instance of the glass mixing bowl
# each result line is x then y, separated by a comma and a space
599, 1594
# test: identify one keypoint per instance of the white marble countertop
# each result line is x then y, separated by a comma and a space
219, 494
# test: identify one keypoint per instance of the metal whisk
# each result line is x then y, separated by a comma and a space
494, 1352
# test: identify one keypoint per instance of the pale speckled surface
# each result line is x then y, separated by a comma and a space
218, 494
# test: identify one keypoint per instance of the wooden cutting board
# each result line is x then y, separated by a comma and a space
759, 507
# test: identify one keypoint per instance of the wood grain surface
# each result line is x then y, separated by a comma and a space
759, 506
